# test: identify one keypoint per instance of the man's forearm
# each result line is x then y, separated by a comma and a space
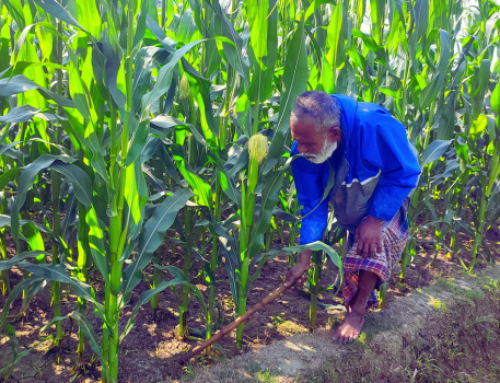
305, 257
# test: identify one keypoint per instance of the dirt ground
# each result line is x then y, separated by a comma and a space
150, 352
447, 332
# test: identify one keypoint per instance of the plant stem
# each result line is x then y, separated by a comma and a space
478, 238
247, 215
158, 172
405, 261
83, 250
318, 265
5, 274
163, 13
3, 251
186, 267
56, 190
188, 227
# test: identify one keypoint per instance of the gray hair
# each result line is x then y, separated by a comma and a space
322, 107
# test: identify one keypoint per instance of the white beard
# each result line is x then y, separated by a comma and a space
324, 154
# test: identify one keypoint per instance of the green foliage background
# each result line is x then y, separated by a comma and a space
125, 124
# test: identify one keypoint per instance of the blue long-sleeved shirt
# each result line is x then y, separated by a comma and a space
375, 170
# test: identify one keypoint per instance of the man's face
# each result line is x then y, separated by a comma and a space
316, 146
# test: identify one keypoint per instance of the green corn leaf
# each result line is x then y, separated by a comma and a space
138, 139
8, 147
112, 67
294, 78
272, 187
145, 298
333, 31
434, 151
87, 135
422, 19
228, 185
259, 27
58, 273
152, 235
482, 80
89, 17
232, 265
35, 240
153, 26
283, 215
169, 122
165, 75
274, 153
20, 287
200, 88
233, 48
20, 114
88, 331
377, 8
317, 246
26, 182
372, 45
4, 220
77, 87
52, 322
148, 58
140, 27
431, 91
201, 188
30, 292
490, 25
96, 243
318, 50
20, 84
314, 5
492, 128
22, 38
212, 56
82, 185
495, 99
55, 9
240, 163
169, 164
15, 260
15, 8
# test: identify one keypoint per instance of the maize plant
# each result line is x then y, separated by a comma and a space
138, 131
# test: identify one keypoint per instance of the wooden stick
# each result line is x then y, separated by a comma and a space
230, 327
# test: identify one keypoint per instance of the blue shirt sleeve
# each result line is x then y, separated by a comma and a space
309, 184
384, 144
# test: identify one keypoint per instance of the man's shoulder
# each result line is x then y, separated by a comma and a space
368, 109
376, 118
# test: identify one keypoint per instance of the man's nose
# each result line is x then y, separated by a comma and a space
301, 149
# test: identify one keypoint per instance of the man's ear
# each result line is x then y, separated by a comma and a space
334, 134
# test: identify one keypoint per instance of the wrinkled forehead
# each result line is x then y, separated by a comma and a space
304, 130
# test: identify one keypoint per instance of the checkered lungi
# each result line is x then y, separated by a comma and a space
394, 237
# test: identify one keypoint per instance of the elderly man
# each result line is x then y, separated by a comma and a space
375, 169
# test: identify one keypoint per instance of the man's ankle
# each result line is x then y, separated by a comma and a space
357, 310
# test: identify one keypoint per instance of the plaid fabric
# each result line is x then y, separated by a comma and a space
394, 237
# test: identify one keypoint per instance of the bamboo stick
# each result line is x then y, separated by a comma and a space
230, 327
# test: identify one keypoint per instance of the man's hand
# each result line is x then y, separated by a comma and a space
299, 270
369, 237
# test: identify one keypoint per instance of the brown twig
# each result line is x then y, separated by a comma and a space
230, 327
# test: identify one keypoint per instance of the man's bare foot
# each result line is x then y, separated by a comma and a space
350, 328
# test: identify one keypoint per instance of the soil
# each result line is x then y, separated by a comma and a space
446, 332
150, 353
